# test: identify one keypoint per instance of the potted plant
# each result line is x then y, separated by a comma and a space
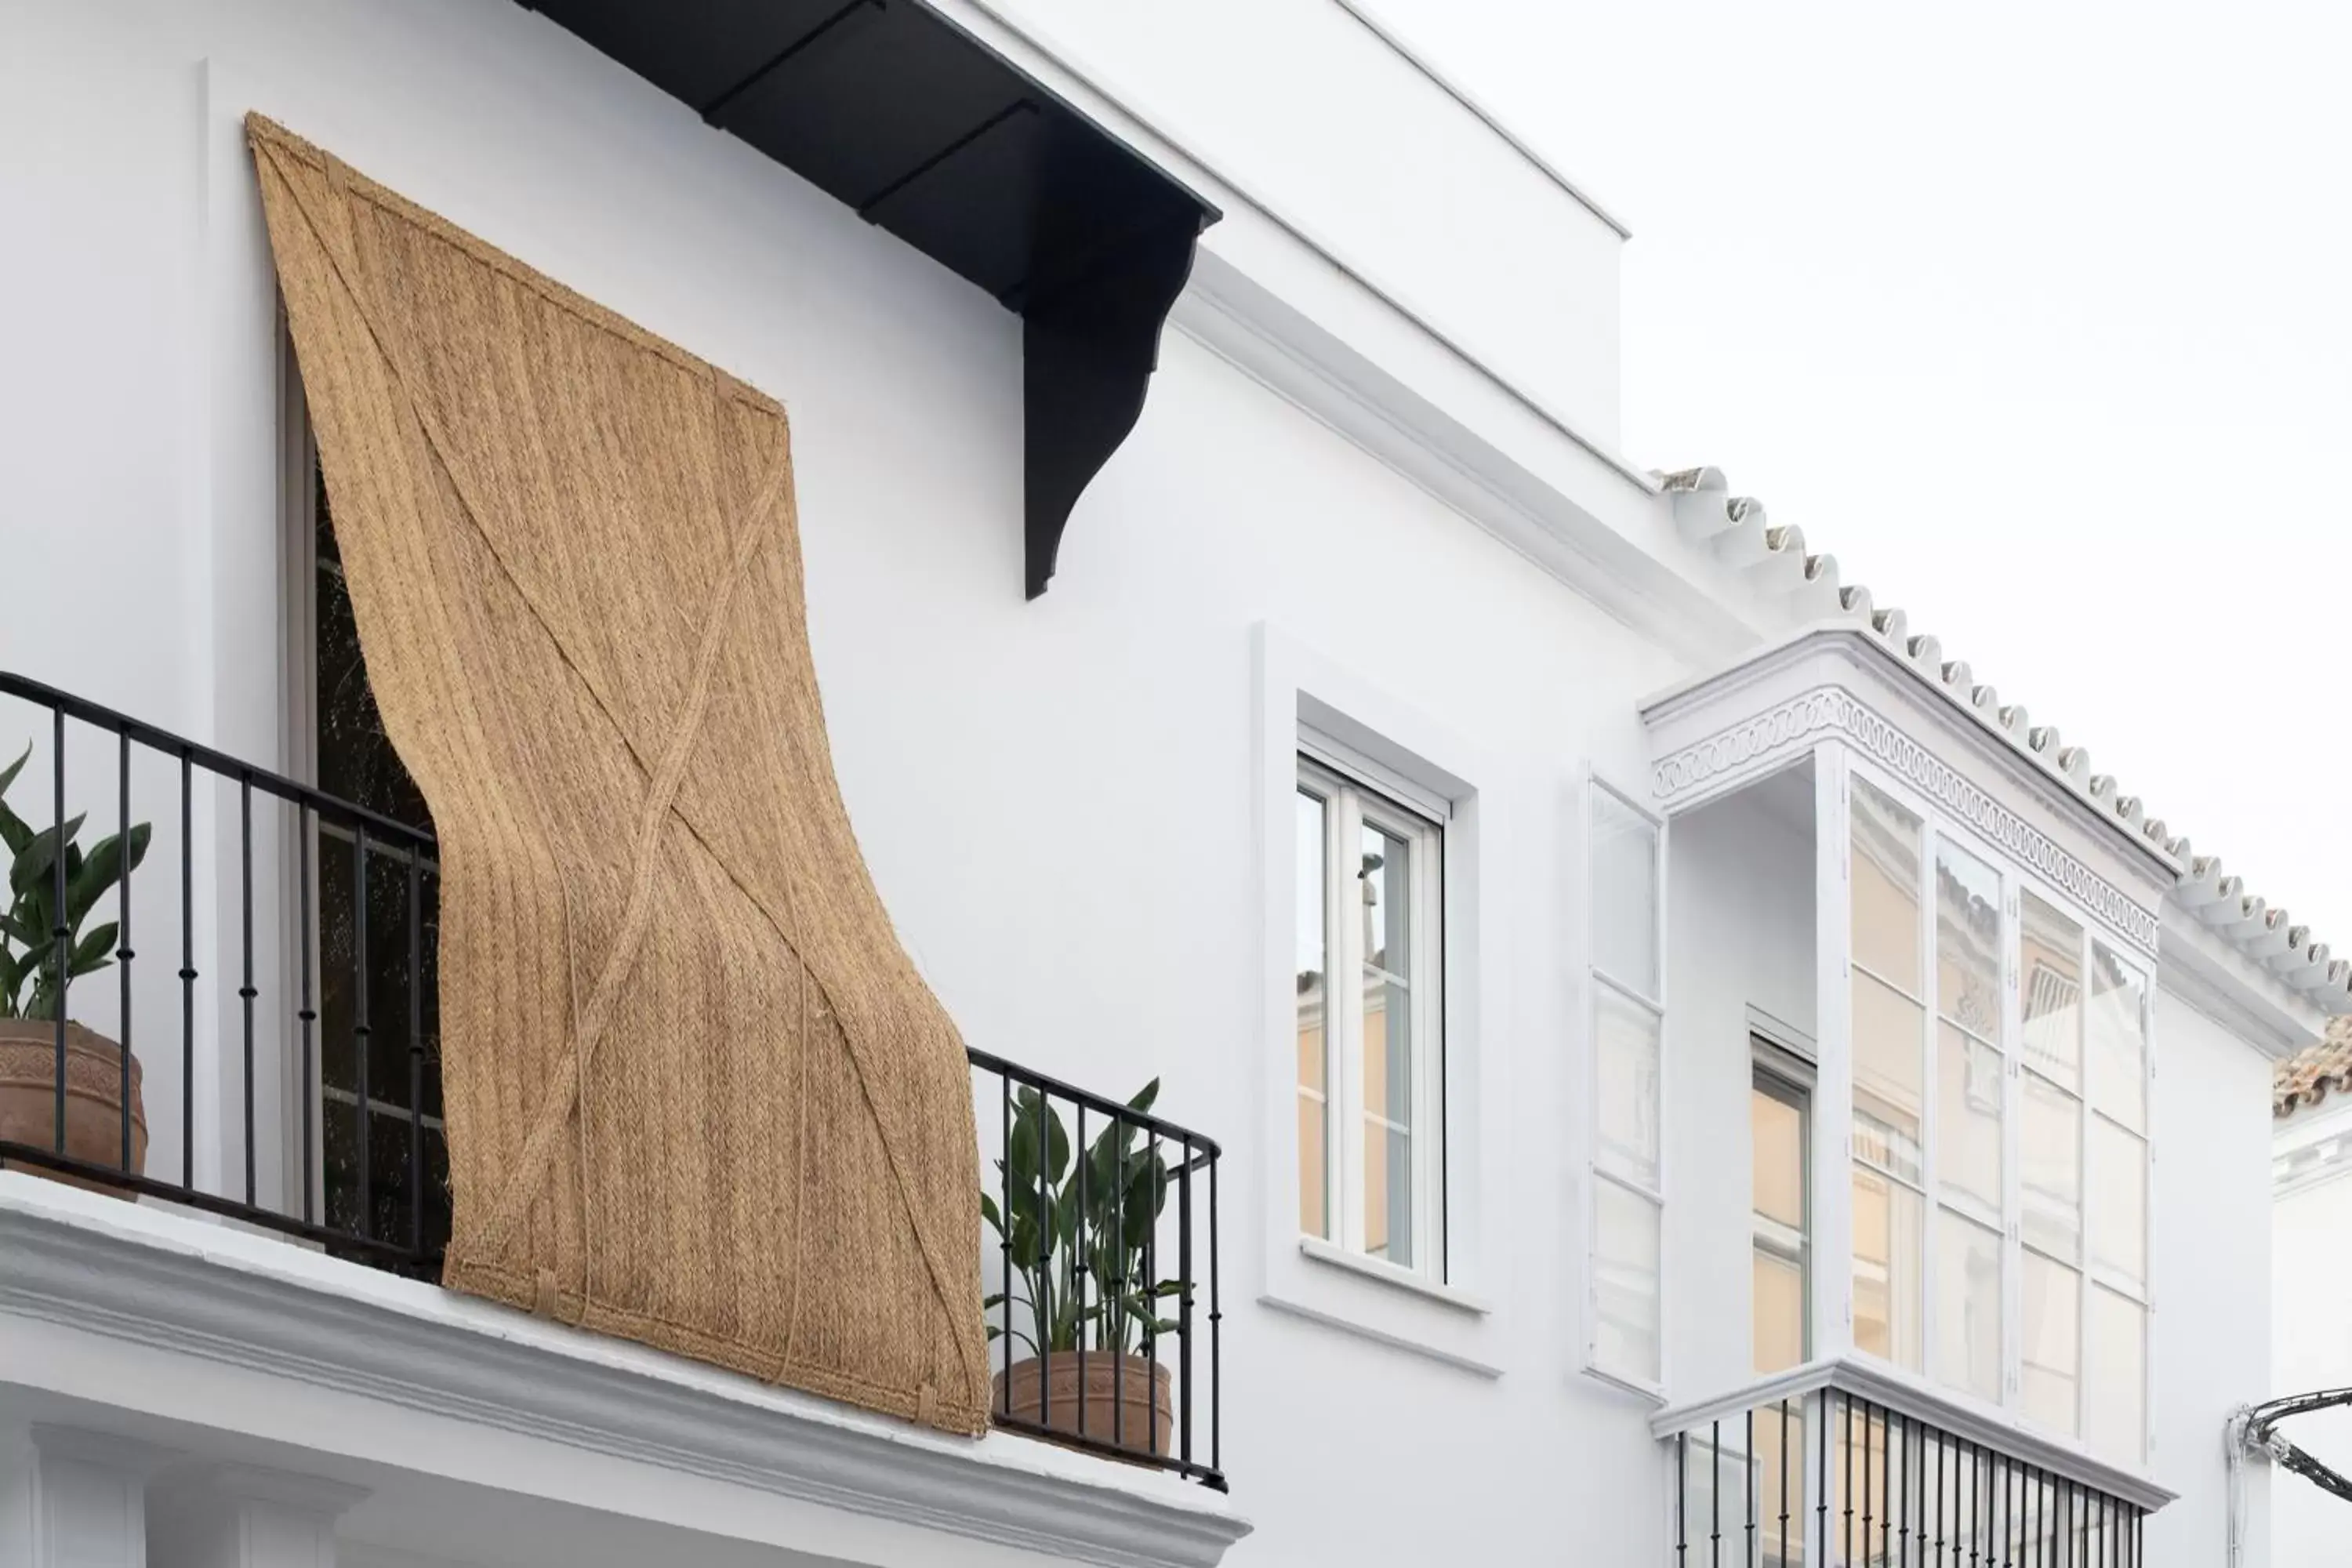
1075, 1245
32, 990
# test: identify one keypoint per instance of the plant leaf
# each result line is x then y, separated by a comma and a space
34, 863
9, 775
988, 1212
1145, 1096
93, 953
106, 865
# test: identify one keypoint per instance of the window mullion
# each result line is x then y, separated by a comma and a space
1345, 892
1931, 1033
2012, 1144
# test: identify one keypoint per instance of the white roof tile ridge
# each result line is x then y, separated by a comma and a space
1774, 564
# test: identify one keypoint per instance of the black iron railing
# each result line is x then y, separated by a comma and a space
304, 1006
1103, 1307
268, 1012
1830, 1477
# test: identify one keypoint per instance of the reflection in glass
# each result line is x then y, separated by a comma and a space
1887, 1265
2116, 1406
1968, 942
1385, 871
2052, 1156
1625, 1284
1888, 1093
2052, 1326
1627, 1038
2049, 960
2119, 1201
2117, 1027
1968, 1117
1313, 1052
1885, 881
1780, 1223
1968, 1306
1624, 894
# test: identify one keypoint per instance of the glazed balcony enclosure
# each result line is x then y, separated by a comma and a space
1931, 1032
221, 1000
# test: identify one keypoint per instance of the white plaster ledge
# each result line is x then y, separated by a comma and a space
181, 1284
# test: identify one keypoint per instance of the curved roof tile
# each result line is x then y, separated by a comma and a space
1773, 559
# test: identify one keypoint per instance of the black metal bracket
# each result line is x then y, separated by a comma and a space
925, 131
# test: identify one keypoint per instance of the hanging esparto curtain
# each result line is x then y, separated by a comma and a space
696, 1093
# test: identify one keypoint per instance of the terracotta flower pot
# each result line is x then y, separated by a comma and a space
28, 1103
1129, 1400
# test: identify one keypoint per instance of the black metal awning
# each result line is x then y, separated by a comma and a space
925, 131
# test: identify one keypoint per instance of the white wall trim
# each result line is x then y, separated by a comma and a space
1761, 741
178, 1284
1279, 347
1382, 30
1295, 685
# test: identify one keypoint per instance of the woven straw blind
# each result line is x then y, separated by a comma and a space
697, 1095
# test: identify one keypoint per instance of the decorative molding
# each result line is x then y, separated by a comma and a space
1779, 730
142, 1275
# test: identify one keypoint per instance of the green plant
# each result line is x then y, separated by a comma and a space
1076, 1239
30, 983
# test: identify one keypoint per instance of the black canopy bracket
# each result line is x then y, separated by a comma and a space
924, 131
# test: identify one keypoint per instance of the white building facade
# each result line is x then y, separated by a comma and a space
1691, 1074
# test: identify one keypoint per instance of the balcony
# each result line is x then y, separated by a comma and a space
242, 1039
1844, 1463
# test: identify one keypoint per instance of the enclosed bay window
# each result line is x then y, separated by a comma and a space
2000, 1132
1371, 869
1628, 1187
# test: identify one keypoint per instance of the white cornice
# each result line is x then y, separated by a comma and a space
1915, 1399
2206, 973
1277, 345
169, 1281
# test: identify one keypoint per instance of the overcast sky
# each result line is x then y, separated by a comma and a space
2037, 317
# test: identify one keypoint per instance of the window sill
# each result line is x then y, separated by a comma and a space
1652, 1393
1389, 1274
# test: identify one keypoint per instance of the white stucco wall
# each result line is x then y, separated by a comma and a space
1742, 896
1056, 798
2311, 1341
2210, 1336
1305, 108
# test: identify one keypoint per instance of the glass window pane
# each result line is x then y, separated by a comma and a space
1627, 1093
1624, 893
1314, 1049
1888, 1040
2116, 1418
2050, 962
1625, 1282
1780, 1308
2118, 1038
1388, 1193
1776, 1129
1968, 942
1887, 1265
1385, 870
2052, 1154
1968, 1306
2053, 1305
1968, 1117
2118, 1201
1314, 1179
1885, 881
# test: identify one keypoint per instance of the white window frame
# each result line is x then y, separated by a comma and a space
1600, 982
1465, 1321
1356, 793
1794, 1078
1935, 825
